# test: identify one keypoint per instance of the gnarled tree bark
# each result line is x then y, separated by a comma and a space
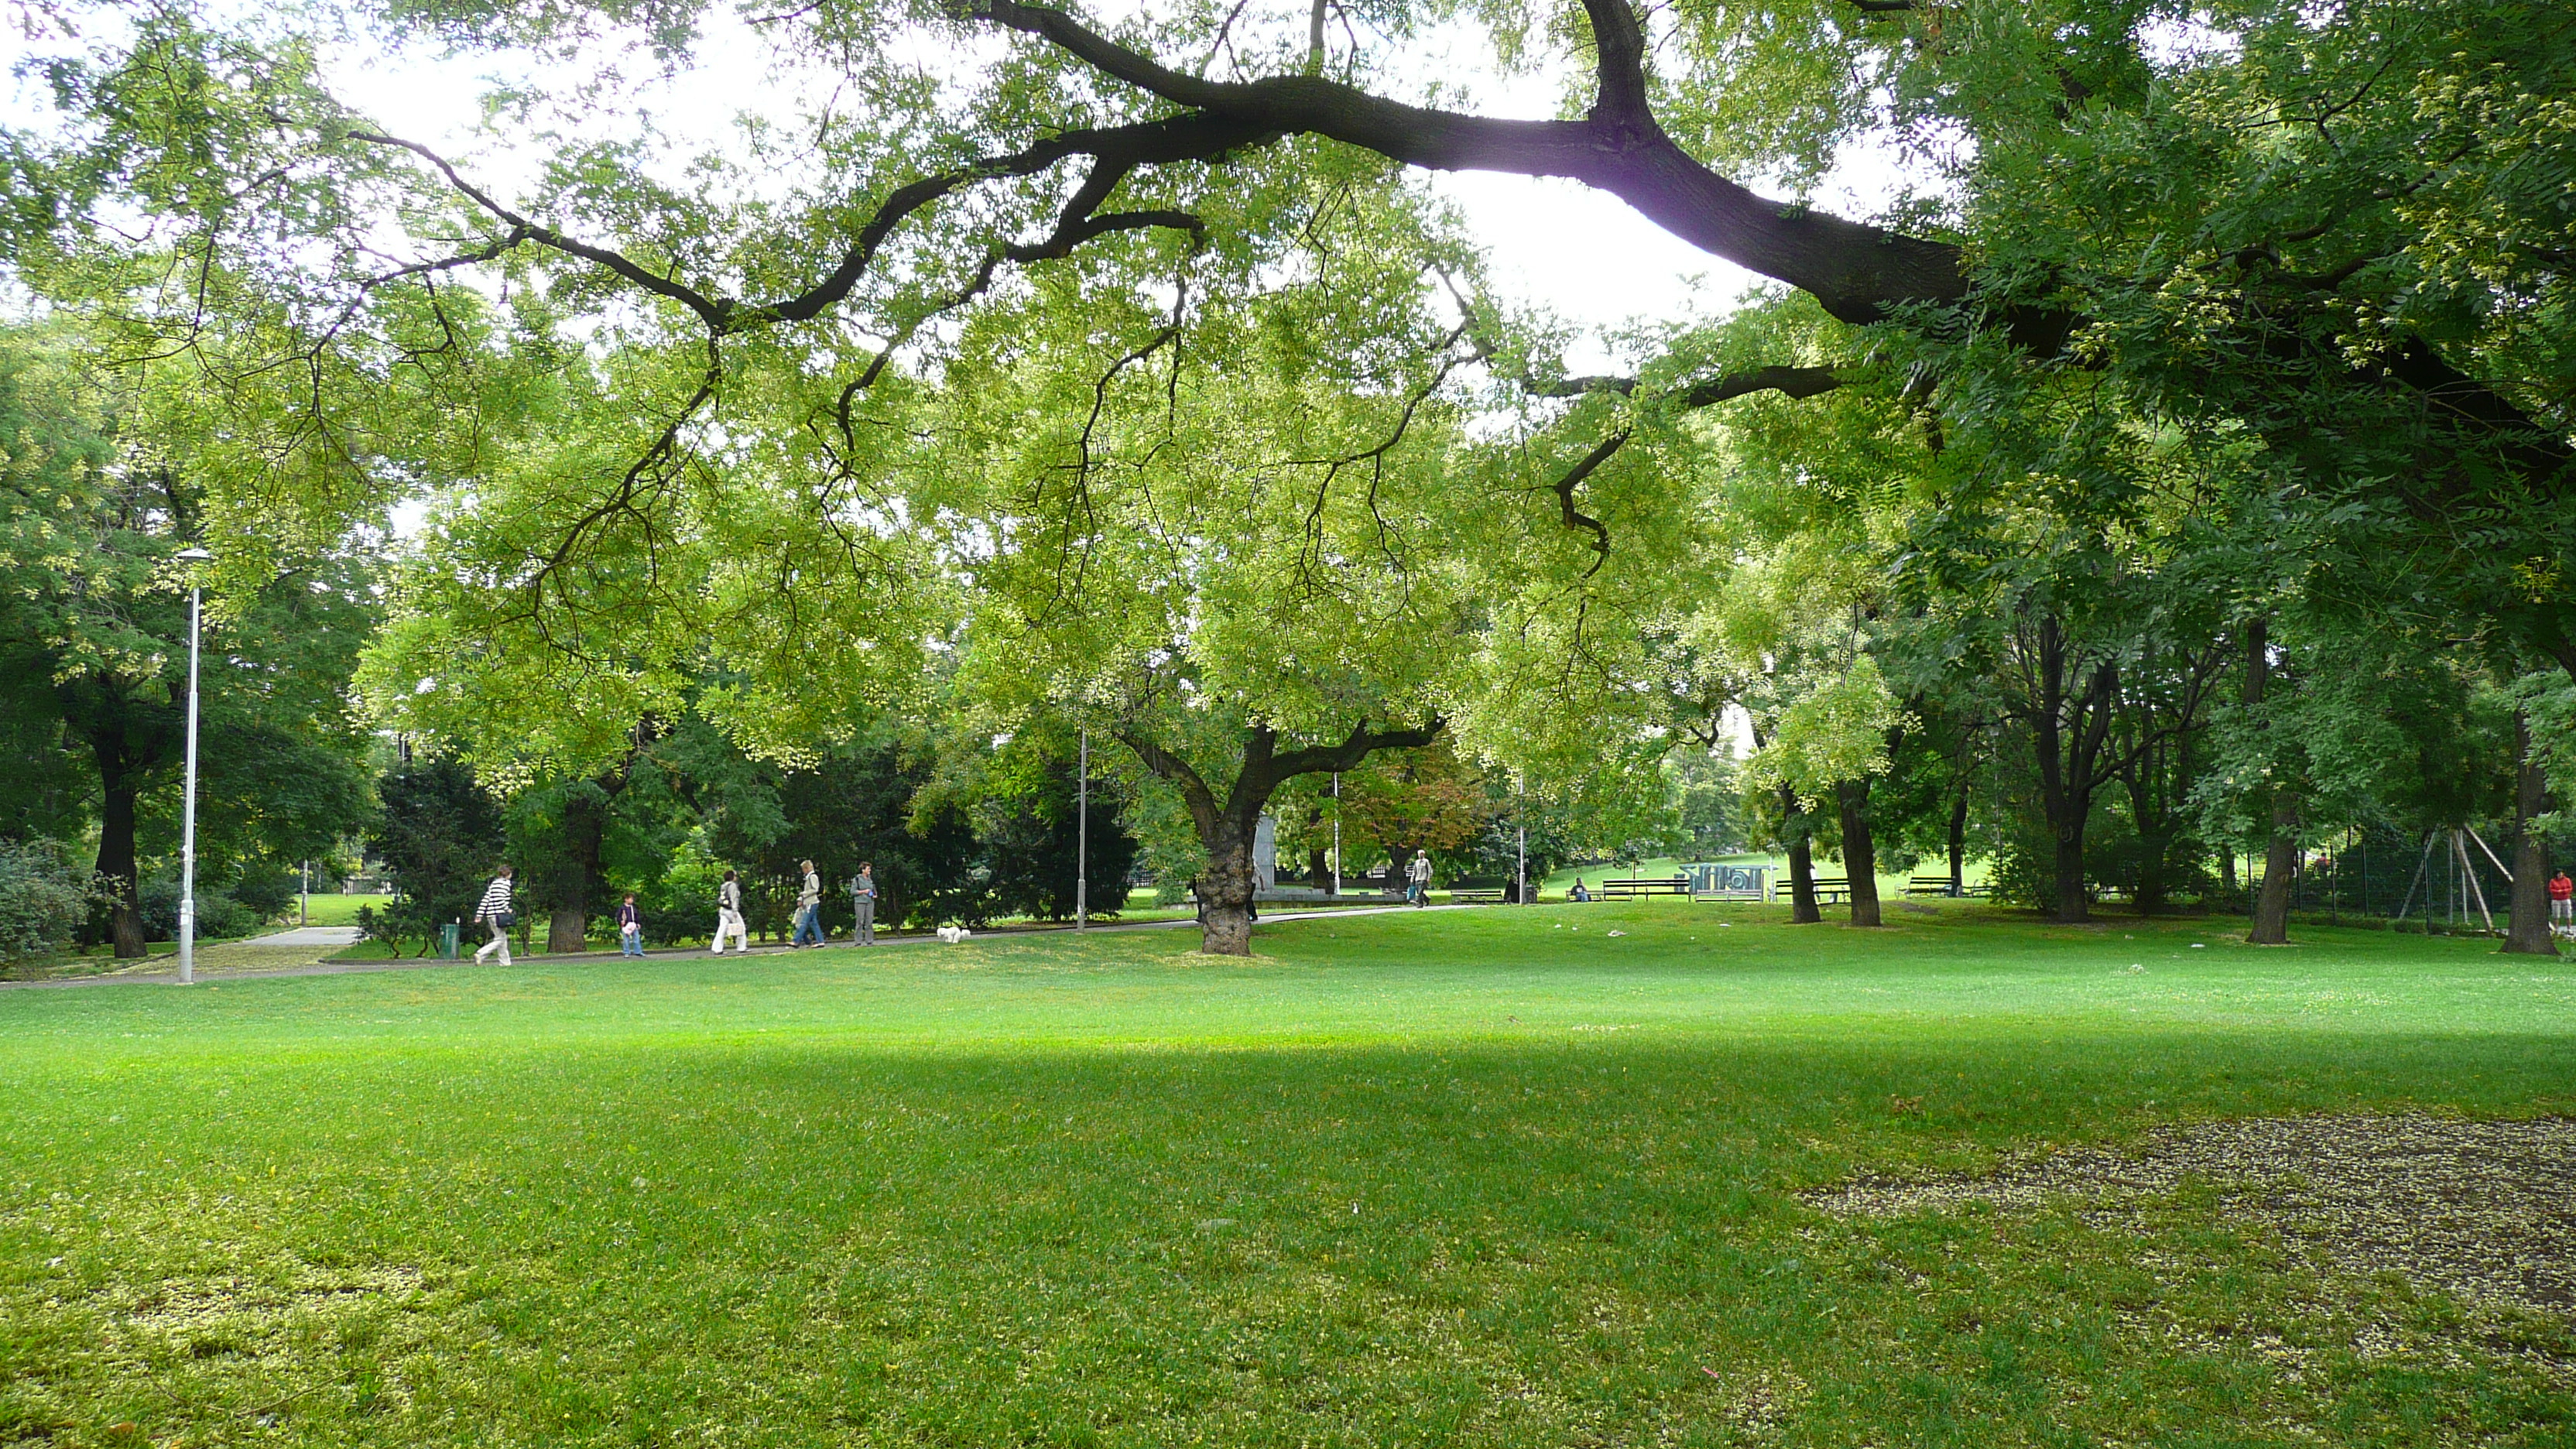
1225, 827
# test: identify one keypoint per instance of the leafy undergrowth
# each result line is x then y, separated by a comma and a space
1484, 1178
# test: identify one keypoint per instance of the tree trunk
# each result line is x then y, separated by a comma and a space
2155, 880
1959, 845
2271, 922
2065, 796
1802, 862
568, 925
1225, 893
2271, 926
2528, 932
1319, 869
2074, 904
1860, 853
1226, 827
116, 851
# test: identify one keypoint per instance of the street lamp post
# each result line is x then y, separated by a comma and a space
1337, 834
1082, 837
188, 806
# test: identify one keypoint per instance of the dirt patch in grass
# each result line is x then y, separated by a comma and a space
2485, 1210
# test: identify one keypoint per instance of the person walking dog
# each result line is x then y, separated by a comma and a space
863, 905
630, 928
809, 911
496, 912
729, 916
1418, 876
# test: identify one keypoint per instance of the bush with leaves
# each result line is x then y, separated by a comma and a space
44, 898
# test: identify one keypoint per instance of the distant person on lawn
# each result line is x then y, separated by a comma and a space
630, 928
809, 911
1418, 876
1578, 893
863, 906
729, 916
2562, 899
495, 912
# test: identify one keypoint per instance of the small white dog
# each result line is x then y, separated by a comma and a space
954, 934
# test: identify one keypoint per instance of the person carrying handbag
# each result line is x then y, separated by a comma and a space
729, 916
497, 912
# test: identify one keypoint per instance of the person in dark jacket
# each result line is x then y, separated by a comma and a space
630, 928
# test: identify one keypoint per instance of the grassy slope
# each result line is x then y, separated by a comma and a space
1475, 1178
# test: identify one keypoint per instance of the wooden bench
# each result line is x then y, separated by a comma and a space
1476, 898
1678, 885
1830, 889
1928, 885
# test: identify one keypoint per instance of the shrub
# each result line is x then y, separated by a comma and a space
43, 899
218, 914
265, 891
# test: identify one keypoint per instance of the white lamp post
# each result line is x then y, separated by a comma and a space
188, 806
1082, 838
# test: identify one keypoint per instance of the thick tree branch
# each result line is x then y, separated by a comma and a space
1321, 759
1857, 272
1194, 791
1573, 479
1797, 382
1619, 48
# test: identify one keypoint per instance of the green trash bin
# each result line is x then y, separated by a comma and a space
447, 941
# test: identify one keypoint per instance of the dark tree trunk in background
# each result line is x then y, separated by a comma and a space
2271, 923
2069, 731
584, 825
117, 786
1319, 869
2271, 926
2528, 932
1959, 845
1802, 862
1860, 852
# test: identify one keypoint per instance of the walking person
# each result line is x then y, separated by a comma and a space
863, 905
2562, 903
495, 911
809, 911
630, 928
729, 916
1417, 874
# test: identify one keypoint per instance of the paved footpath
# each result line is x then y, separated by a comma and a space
301, 952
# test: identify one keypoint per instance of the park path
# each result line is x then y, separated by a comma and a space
303, 951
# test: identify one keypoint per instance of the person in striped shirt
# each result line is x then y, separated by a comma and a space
495, 912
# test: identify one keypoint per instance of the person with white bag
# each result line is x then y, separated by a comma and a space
729, 916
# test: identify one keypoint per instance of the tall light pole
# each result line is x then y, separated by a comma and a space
188, 807
1082, 837
1337, 834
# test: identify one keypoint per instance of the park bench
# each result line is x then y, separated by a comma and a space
1928, 885
1829, 889
1476, 897
1677, 885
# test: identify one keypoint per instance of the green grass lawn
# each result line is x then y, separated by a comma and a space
1493, 1178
